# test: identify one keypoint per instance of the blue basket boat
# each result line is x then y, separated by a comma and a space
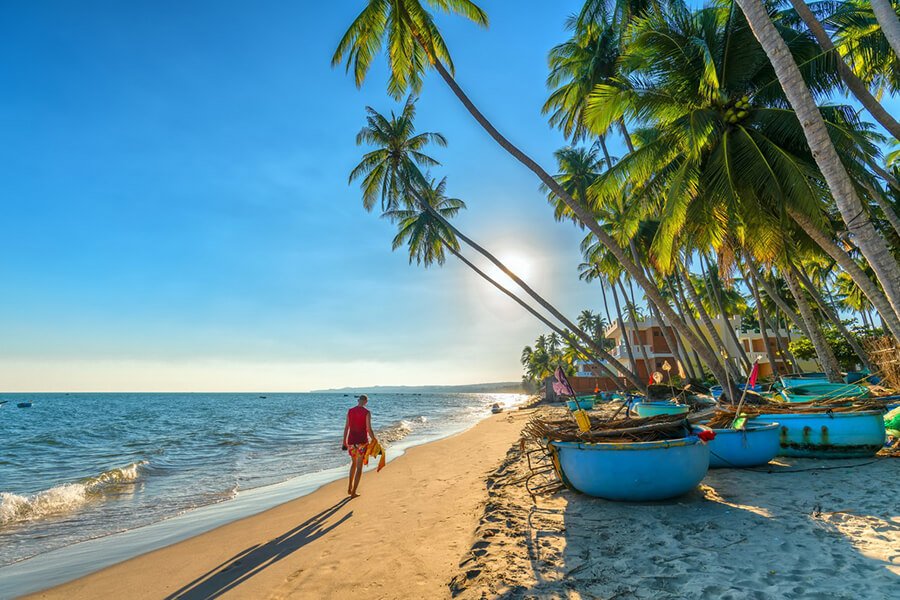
821, 391
828, 434
756, 445
632, 472
576, 404
803, 378
651, 409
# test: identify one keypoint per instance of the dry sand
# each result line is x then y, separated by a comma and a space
402, 538
811, 534
455, 512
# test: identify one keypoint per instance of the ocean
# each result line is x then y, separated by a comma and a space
77, 467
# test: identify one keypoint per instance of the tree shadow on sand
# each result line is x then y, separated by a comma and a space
252, 560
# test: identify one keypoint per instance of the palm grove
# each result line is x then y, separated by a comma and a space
748, 188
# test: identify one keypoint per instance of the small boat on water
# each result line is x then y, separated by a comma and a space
24, 404
828, 434
651, 409
632, 472
821, 391
756, 445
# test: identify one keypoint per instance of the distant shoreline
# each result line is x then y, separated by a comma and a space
505, 387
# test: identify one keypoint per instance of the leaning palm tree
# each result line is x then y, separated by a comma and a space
839, 182
856, 85
426, 233
413, 44
721, 156
392, 171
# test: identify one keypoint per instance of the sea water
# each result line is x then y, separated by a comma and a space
77, 467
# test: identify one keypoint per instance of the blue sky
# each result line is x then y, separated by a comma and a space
177, 215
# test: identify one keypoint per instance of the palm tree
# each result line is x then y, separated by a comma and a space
854, 83
823, 149
712, 165
406, 30
576, 66
864, 46
890, 24
395, 161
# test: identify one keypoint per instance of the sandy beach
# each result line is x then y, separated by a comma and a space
452, 519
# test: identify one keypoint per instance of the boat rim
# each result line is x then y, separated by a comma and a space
690, 440
860, 413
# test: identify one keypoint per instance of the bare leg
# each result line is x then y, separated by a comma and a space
358, 463
354, 460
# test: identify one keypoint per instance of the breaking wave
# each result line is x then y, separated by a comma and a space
400, 429
66, 497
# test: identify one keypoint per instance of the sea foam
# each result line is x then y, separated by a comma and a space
65, 497
400, 429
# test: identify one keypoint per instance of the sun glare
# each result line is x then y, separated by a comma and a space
516, 262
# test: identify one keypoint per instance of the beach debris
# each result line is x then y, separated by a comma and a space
648, 429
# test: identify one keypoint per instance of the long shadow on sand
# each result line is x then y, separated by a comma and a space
252, 560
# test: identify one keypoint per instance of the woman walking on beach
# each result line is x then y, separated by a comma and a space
357, 435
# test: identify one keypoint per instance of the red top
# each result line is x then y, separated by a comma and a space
358, 433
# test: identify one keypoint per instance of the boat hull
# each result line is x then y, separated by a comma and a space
584, 404
651, 409
756, 445
820, 391
803, 378
828, 435
632, 472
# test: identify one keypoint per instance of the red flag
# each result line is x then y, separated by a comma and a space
752, 380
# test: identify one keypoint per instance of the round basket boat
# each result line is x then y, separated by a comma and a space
756, 445
828, 434
576, 404
803, 379
822, 391
632, 472
651, 409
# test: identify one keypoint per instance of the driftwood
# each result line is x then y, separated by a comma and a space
660, 427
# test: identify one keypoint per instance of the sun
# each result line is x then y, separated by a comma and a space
517, 262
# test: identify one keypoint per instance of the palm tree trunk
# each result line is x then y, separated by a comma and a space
852, 211
635, 328
776, 298
890, 24
854, 83
835, 319
685, 309
886, 208
537, 297
625, 337
707, 321
761, 317
690, 366
602, 140
536, 314
605, 305
713, 293
868, 287
823, 351
585, 216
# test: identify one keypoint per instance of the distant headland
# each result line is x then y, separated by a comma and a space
505, 387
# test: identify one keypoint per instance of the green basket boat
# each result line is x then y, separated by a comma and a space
822, 391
